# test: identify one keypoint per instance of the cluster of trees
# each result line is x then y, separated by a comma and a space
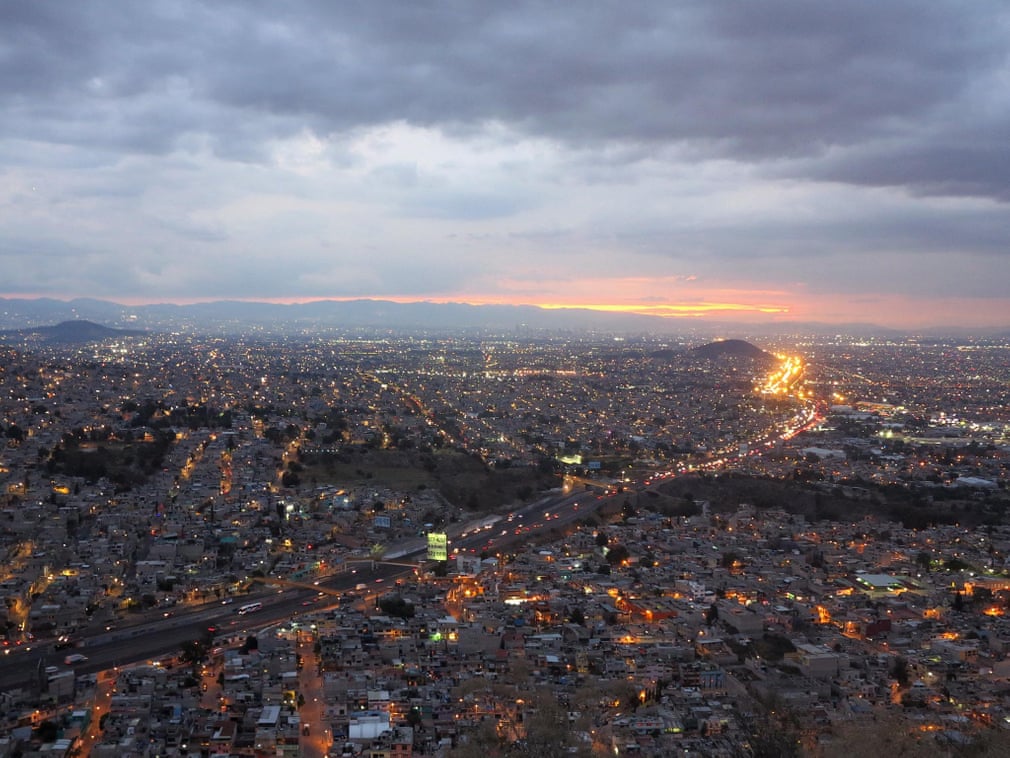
280, 435
155, 414
123, 463
396, 606
14, 433
849, 500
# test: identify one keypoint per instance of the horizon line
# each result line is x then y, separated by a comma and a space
698, 312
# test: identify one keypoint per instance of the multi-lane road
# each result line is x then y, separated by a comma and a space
154, 636
151, 637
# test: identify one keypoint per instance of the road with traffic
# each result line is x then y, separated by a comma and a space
154, 637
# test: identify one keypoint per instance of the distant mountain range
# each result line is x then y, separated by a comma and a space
241, 317
68, 332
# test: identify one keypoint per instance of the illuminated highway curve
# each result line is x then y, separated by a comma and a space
530, 524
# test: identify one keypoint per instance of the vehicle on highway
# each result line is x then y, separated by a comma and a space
73, 658
249, 608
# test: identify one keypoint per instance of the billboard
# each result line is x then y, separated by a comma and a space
438, 546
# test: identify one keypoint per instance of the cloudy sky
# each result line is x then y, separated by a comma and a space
749, 160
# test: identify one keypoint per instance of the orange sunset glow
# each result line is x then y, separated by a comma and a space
721, 173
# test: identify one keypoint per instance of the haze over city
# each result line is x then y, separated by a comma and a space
768, 163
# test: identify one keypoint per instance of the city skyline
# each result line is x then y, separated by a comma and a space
768, 164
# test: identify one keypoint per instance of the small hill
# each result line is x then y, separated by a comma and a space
68, 332
730, 349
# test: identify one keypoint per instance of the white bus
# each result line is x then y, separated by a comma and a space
250, 608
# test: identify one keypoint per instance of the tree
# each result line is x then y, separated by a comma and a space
545, 724
729, 559
712, 614
773, 739
899, 670
395, 605
47, 731
893, 736
194, 652
772, 732
617, 555
982, 596
414, 719
478, 743
956, 564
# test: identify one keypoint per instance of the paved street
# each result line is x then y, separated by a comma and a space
316, 743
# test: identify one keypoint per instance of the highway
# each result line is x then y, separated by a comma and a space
152, 636
155, 636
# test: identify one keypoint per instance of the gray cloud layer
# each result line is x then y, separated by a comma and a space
846, 97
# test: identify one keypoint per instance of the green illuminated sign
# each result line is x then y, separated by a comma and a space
438, 546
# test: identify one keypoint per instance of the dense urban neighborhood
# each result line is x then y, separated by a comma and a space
394, 546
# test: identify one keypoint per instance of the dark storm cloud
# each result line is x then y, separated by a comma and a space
974, 167
873, 93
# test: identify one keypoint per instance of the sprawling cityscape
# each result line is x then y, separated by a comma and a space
504, 380
452, 545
